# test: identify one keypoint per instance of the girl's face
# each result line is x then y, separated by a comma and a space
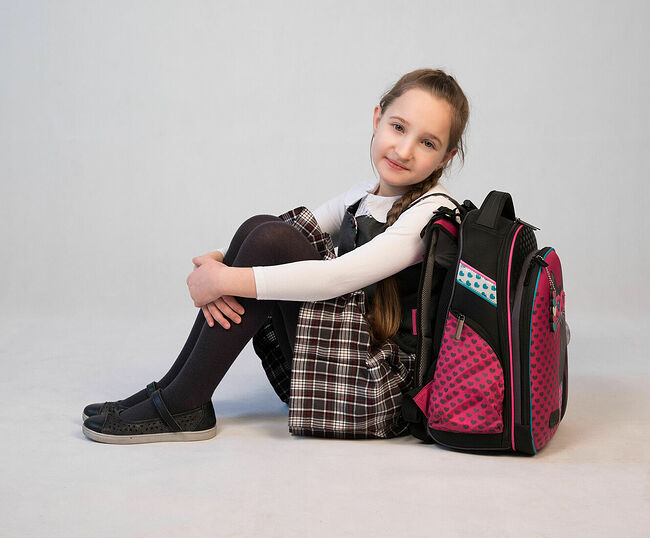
411, 137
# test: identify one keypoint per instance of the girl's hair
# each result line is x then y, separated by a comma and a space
385, 312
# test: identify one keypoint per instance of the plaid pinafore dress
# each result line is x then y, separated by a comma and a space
334, 385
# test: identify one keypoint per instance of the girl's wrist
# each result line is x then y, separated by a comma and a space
239, 281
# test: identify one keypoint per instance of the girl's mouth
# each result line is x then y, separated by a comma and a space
395, 166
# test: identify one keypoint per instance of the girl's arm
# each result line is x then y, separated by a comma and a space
241, 281
398, 247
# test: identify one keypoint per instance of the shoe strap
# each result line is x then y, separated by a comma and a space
164, 412
151, 387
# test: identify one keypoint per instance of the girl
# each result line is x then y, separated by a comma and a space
334, 330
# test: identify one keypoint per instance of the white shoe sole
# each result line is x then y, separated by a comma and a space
149, 437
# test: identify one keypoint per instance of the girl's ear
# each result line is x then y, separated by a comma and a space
449, 156
375, 118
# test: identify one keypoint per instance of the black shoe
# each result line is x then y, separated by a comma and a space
111, 407
196, 425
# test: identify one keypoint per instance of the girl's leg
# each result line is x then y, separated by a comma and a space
235, 244
270, 243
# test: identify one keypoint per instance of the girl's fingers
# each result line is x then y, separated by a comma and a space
218, 316
233, 303
227, 310
224, 305
208, 316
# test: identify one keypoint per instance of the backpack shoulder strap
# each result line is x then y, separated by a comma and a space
435, 194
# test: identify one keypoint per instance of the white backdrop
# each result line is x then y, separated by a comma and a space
135, 136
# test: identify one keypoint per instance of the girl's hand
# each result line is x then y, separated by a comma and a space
204, 281
225, 304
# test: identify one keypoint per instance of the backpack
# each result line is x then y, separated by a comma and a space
491, 360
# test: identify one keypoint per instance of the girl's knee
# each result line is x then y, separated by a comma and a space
282, 241
253, 222
275, 232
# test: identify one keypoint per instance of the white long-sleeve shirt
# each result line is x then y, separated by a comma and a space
398, 247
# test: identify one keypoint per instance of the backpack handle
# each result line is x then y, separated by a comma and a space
496, 204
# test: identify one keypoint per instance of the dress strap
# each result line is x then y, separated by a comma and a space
352, 209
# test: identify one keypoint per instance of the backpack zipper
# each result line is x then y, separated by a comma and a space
553, 301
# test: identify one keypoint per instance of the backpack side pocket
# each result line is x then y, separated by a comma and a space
467, 390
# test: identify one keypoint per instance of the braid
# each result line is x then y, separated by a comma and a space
413, 193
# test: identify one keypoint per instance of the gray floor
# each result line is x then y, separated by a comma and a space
255, 479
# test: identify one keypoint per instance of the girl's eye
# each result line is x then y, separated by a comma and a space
430, 144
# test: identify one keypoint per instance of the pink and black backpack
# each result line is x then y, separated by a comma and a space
491, 363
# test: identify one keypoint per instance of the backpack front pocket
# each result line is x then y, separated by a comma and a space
468, 385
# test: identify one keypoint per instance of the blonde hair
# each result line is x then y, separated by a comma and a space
385, 313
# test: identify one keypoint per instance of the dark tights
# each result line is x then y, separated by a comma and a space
209, 351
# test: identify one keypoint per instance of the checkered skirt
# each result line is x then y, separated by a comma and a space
334, 385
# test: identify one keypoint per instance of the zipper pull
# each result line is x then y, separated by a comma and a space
537, 259
526, 224
459, 328
540, 261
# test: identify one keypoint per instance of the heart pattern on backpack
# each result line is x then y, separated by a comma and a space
545, 386
481, 284
475, 402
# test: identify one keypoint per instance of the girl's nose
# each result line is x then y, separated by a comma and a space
404, 149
